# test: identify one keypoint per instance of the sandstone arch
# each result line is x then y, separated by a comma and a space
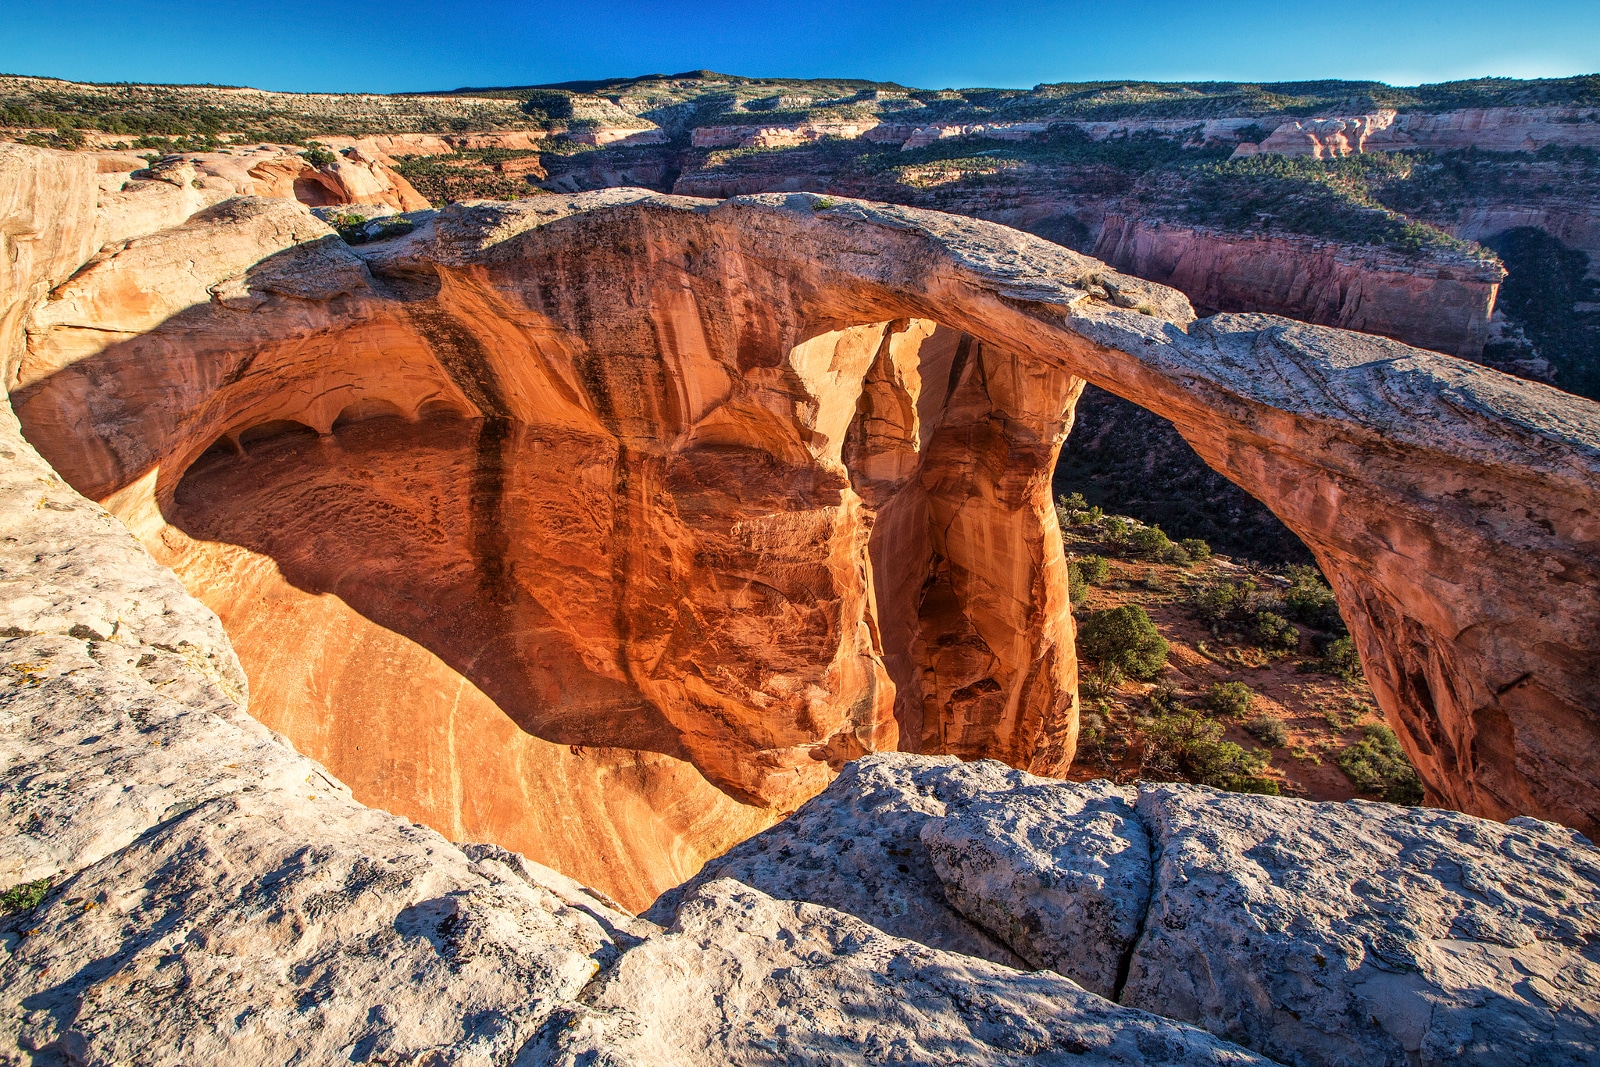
673, 355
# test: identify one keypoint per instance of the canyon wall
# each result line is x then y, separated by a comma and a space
1436, 300
1441, 303
754, 484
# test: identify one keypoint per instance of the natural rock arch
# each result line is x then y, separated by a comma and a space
741, 370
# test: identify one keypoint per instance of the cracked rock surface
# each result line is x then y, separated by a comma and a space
1317, 934
743, 978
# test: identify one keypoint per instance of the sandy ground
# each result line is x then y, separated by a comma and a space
1323, 713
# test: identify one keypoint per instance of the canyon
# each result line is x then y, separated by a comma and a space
713, 552
618, 527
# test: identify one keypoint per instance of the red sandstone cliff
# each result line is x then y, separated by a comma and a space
1439, 303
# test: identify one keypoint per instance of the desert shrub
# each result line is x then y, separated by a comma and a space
1309, 600
1116, 528
1149, 542
357, 229
1091, 738
318, 154
1124, 637
1339, 658
1095, 569
1187, 744
1099, 684
1273, 632
1155, 582
1176, 555
1269, 730
1377, 764
1197, 549
1077, 584
1229, 698
1073, 510
1222, 602
25, 896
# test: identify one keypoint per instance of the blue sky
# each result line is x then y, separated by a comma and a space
401, 45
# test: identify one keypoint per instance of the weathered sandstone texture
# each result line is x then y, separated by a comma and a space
1490, 129
1442, 302
1318, 934
947, 853
136, 200
788, 466
741, 978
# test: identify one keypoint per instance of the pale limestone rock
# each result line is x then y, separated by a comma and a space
1059, 872
1318, 934
744, 979
1330, 934
856, 848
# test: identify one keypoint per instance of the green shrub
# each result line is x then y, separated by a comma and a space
1117, 528
25, 896
1149, 542
1099, 684
1155, 582
1188, 744
1222, 602
1339, 658
318, 154
1309, 600
1095, 569
1124, 637
1377, 764
1176, 555
1229, 699
1197, 549
1269, 730
1072, 502
1077, 584
1273, 632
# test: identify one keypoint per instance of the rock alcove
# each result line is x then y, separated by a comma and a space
606, 528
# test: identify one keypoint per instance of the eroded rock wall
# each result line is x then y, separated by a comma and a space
729, 392
1443, 305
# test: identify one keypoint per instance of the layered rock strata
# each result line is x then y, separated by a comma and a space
136, 199
213, 896
1489, 129
1437, 299
1442, 302
217, 897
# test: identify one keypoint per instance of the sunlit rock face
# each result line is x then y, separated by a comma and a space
631, 517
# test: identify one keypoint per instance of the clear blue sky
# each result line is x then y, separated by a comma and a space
399, 45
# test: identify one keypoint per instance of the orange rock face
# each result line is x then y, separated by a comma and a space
742, 491
1443, 305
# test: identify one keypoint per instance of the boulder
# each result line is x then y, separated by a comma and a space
1326, 934
743, 978
1059, 872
